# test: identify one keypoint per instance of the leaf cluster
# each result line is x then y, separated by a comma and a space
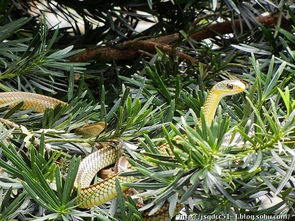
246, 156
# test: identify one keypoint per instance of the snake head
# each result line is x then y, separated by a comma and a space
229, 87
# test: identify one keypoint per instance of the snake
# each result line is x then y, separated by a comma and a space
90, 195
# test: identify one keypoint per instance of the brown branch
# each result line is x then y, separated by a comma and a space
150, 46
228, 27
146, 53
129, 50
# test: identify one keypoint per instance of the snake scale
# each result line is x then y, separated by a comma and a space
101, 192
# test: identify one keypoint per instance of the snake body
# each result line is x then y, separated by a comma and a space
101, 192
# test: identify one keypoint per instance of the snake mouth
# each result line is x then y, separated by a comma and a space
239, 87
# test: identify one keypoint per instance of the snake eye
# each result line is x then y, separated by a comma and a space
230, 86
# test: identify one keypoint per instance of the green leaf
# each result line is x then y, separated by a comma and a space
7, 211
120, 200
12, 27
287, 177
70, 179
273, 80
71, 84
39, 197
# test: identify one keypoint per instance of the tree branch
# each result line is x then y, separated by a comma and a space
129, 50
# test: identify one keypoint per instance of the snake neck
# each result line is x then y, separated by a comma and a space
210, 106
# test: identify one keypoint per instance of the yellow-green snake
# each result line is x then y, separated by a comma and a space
101, 192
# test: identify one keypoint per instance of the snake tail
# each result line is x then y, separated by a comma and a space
37, 102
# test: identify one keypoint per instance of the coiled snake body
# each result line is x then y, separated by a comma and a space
101, 192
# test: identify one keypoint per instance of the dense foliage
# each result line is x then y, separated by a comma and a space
232, 168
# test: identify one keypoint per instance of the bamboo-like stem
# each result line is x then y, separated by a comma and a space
72, 140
